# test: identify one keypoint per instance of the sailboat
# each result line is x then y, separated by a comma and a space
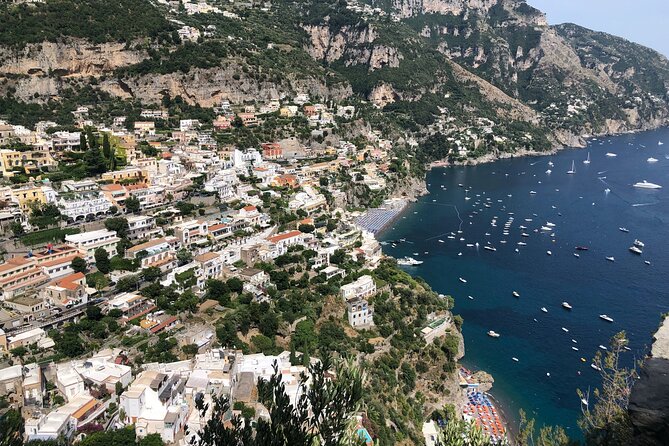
573, 170
588, 160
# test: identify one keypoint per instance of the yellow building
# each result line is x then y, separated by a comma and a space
128, 174
30, 160
28, 194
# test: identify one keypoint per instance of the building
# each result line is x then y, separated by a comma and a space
192, 232
67, 291
93, 240
26, 338
19, 274
360, 313
142, 227
159, 253
131, 305
83, 205
53, 426
56, 261
127, 175
281, 242
362, 288
211, 265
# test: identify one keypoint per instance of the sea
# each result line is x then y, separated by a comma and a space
587, 208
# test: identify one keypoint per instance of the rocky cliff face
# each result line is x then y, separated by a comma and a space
649, 401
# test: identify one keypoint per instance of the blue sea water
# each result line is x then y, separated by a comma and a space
632, 293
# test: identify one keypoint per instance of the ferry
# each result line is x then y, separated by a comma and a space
605, 318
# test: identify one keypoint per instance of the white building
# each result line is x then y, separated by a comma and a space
246, 158
82, 205
50, 427
360, 313
224, 183
360, 289
92, 240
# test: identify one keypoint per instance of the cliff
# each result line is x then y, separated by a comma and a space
649, 400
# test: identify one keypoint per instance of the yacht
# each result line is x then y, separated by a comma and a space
621, 229
566, 306
594, 366
605, 318
635, 250
587, 161
462, 280
544, 309
646, 185
652, 160
409, 261
522, 244
565, 330
639, 243
611, 259
493, 334
516, 294
532, 192
647, 262
573, 170
659, 143
490, 248
523, 234
611, 155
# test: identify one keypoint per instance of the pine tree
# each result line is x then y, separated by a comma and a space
83, 145
106, 146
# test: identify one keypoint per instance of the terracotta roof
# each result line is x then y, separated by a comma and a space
218, 226
207, 256
164, 324
250, 208
286, 235
112, 187
85, 408
148, 244
70, 281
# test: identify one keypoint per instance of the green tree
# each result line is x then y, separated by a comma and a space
93, 313
607, 422
235, 284
11, 428
184, 256
78, 265
322, 414
102, 262
306, 228
17, 229
151, 273
94, 161
19, 352
190, 350
106, 146
118, 224
132, 204
83, 145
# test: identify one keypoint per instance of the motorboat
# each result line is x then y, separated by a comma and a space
549, 171
605, 318
611, 259
524, 234
625, 230
409, 261
549, 253
462, 280
594, 366
603, 347
647, 185
635, 250
470, 297
607, 190
566, 306
574, 348
544, 309
565, 330
522, 244
493, 334
516, 294
578, 256
639, 243
514, 359
611, 155
652, 160
532, 192
647, 262
490, 248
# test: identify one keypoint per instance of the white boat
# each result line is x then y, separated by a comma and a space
639, 243
544, 309
577, 255
522, 244
647, 185
621, 229
462, 280
549, 171
573, 170
635, 250
595, 367
515, 359
550, 163
565, 330
546, 228
605, 318
566, 305
470, 297
587, 161
516, 294
532, 192
660, 143
523, 234
607, 190
549, 253
490, 248
611, 259
602, 347
574, 348
647, 262
409, 261
440, 241
611, 155
652, 160
493, 334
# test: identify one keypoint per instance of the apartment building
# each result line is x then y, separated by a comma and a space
362, 288
93, 240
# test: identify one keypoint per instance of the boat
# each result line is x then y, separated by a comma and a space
532, 192
577, 255
566, 306
522, 244
470, 297
515, 359
660, 143
605, 318
524, 234
587, 161
550, 163
602, 347
647, 262
652, 160
635, 250
647, 185
574, 348
409, 261
549, 171
596, 367
493, 334
621, 229
462, 280
490, 248
607, 190
544, 309
546, 228
639, 243
573, 170
516, 294
611, 155
565, 330
440, 241
611, 259
549, 253
582, 248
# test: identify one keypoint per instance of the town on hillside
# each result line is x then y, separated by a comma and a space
148, 266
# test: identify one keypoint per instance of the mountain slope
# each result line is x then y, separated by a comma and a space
448, 67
